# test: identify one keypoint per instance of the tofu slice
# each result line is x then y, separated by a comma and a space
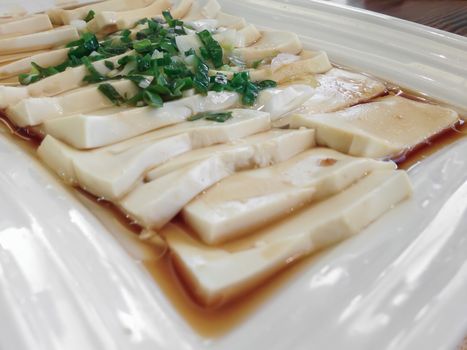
155, 203
43, 59
89, 131
71, 78
111, 171
111, 21
219, 274
270, 44
245, 201
27, 25
382, 129
41, 40
111, 5
33, 111
8, 58
281, 100
336, 90
208, 9
230, 21
287, 67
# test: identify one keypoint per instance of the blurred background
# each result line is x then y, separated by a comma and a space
450, 15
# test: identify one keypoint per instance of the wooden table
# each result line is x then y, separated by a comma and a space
450, 15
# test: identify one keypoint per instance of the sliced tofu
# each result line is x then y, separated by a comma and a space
71, 78
382, 129
336, 90
111, 171
218, 275
270, 45
245, 201
209, 9
279, 101
27, 25
229, 21
111, 5
156, 202
288, 67
43, 59
41, 40
86, 131
111, 21
33, 111
247, 36
8, 58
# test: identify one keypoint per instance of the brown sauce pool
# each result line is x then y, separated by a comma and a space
212, 322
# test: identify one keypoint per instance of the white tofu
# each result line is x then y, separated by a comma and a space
284, 69
269, 45
35, 110
27, 25
382, 129
221, 274
90, 131
229, 21
12, 94
247, 36
41, 40
111, 21
43, 59
71, 78
209, 9
111, 5
17, 56
155, 203
245, 201
336, 90
111, 171
281, 100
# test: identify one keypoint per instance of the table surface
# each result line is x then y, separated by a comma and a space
449, 15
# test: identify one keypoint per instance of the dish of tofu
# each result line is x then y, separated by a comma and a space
230, 147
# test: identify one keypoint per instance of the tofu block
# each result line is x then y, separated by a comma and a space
71, 78
111, 5
86, 131
208, 9
43, 59
245, 201
382, 129
27, 25
111, 171
336, 90
41, 40
219, 274
33, 111
111, 21
268, 46
155, 203
287, 67
282, 100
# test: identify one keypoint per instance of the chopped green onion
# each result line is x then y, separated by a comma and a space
112, 94
213, 48
266, 84
152, 99
87, 44
89, 16
219, 117
94, 76
109, 64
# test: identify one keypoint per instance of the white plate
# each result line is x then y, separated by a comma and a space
66, 283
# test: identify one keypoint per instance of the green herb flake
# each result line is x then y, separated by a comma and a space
94, 76
219, 117
213, 48
89, 16
111, 93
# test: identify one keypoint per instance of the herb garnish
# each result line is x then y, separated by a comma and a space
111, 93
156, 66
89, 16
219, 117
